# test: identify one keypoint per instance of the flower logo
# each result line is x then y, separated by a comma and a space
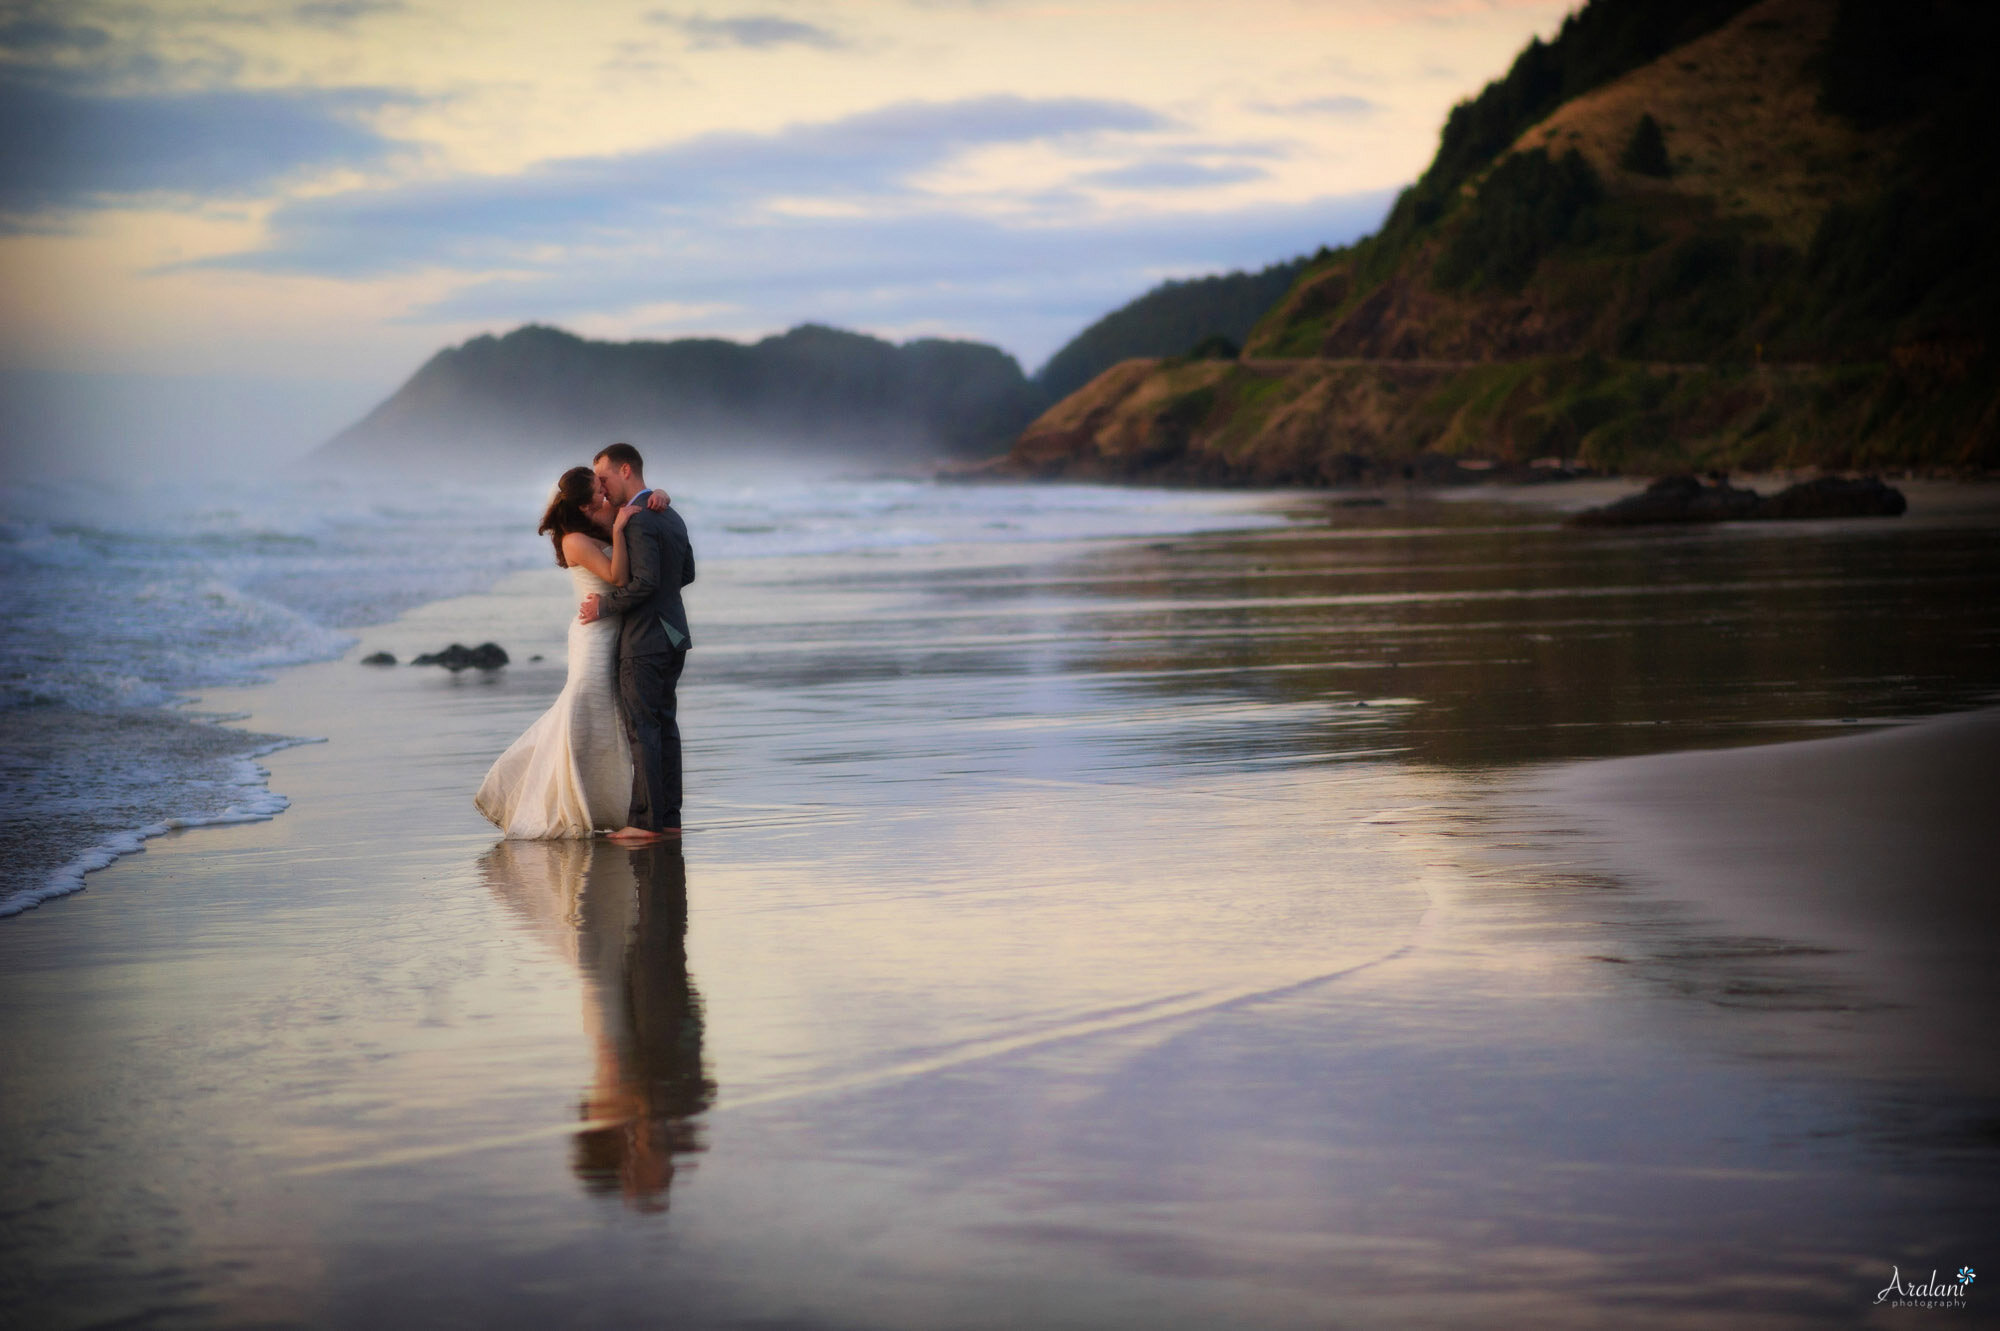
1966, 1275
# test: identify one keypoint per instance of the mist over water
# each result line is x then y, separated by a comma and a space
94, 427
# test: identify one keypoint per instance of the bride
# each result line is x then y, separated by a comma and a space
571, 773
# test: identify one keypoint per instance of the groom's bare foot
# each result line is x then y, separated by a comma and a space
643, 836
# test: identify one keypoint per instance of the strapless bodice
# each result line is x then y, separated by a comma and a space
586, 582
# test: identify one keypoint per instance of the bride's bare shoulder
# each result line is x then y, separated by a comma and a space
582, 548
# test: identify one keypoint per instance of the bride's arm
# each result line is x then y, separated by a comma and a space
621, 558
580, 550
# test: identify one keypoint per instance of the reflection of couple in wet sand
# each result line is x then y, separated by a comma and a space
621, 914
607, 755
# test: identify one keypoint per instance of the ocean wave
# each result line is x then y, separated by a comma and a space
162, 636
256, 803
94, 691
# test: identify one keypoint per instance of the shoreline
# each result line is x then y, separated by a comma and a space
259, 803
1297, 509
1478, 478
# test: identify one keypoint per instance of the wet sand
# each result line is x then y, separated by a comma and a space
1058, 941
1870, 857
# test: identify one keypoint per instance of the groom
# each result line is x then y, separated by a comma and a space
653, 644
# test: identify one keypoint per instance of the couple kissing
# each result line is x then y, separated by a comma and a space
607, 755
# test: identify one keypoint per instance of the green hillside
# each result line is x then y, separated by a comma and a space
1715, 234
1167, 321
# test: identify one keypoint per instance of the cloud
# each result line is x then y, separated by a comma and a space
109, 47
340, 13
1173, 173
91, 118
886, 258
714, 180
1348, 107
826, 221
758, 32
1025, 287
63, 147
40, 36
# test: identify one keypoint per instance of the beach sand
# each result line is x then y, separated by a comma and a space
1870, 859
1023, 966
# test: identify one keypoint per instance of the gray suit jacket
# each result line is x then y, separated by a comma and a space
662, 562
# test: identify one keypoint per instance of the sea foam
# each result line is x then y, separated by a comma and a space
256, 803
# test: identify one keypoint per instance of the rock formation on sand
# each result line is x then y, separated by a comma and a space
457, 657
1686, 499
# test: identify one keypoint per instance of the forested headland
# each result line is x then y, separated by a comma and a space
539, 394
1676, 235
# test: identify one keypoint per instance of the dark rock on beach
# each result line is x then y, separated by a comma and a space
1688, 499
1837, 497
379, 658
1674, 499
486, 656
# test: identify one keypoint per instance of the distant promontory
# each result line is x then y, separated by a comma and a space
540, 394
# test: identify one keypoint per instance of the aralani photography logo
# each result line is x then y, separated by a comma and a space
1932, 1293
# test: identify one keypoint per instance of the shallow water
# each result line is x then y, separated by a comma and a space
1058, 941
117, 603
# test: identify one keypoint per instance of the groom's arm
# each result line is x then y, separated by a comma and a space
645, 572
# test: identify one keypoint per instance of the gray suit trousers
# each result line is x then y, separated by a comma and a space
646, 690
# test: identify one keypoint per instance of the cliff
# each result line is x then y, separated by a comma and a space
1766, 246
540, 394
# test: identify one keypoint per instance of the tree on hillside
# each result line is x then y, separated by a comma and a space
1529, 205
1646, 151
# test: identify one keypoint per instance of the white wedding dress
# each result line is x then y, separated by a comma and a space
571, 773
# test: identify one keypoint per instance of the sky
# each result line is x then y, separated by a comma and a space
231, 224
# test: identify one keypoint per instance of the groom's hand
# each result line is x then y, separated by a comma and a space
588, 612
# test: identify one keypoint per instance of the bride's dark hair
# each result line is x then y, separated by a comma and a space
576, 490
